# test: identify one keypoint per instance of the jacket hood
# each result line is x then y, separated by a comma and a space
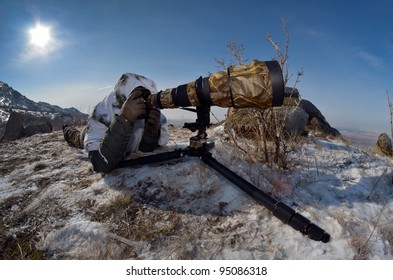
105, 111
129, 81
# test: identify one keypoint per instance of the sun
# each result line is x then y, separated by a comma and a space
40, 35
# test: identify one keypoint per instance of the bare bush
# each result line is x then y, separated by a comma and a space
263, 136
235, 50
265, 127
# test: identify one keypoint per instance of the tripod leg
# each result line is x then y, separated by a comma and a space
153, 158
283, 212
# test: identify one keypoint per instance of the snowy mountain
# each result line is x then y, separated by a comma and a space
11, 99
22, 117
53, 206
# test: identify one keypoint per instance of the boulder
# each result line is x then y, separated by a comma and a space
37, 128
296, 121
14, 127
2, 130
299, 117
316, 121
383, 147
21, 125
56, 122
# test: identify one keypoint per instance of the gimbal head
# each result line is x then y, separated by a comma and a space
201, 124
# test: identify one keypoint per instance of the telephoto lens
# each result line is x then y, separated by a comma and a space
259, 84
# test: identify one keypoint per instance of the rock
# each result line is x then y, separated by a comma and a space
35, 116
2, 130
296, 121
245, 121
14, 127
291, 96
299, 116
21, 125
38, 127
57, 122
316, 121
383, 147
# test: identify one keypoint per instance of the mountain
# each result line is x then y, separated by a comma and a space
11, 99
20, 116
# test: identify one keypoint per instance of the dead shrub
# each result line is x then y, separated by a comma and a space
265, 127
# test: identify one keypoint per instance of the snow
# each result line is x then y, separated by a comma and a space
55, 207
4, 116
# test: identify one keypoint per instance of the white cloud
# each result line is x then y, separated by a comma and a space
314, 33
371, 59
106, 87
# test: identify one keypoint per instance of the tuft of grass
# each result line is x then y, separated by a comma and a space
387, 233
20, 247
361, 246
134, 221
40, 166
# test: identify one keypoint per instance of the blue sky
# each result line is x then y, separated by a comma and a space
344, 47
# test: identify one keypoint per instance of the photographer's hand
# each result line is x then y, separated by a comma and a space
152, 124
134, 106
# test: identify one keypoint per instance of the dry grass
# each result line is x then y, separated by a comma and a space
157, 217
24, 222
387, 233
360, 245
260, 134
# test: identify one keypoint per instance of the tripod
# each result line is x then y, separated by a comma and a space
200, 148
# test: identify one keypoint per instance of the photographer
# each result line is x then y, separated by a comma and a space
121, 124
127, 119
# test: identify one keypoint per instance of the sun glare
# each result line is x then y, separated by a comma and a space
40, 35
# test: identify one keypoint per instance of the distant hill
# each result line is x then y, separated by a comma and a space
360, 138
11, 99
20, 116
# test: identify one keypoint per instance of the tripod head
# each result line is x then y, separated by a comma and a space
200, 125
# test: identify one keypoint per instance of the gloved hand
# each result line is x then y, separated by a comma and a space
152, 124
134, 106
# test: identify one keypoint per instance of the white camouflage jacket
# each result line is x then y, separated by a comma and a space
105, 111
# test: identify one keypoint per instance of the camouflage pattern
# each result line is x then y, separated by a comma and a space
74, 136
251, 87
